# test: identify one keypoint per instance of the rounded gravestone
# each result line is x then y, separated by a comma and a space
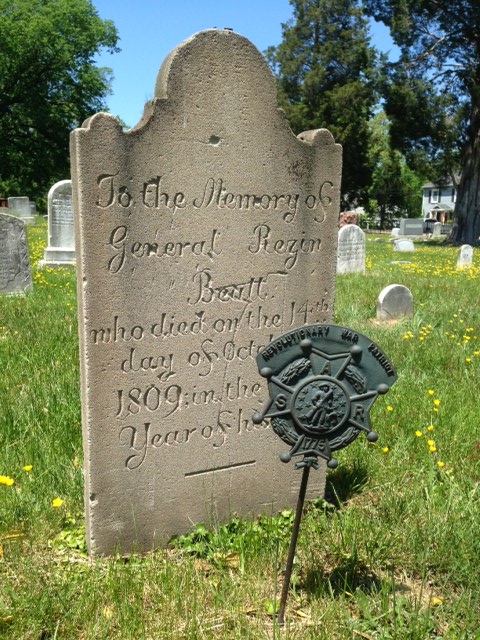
395, 302
351, 250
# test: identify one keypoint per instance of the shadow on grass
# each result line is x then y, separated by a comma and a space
344, 483
346, 577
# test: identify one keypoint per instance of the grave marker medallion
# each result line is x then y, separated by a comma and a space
201, 234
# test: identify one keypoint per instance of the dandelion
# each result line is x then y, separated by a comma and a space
27, 468
431, 443
436, 402
430, 427
418, 433
385, 449
432, 449
389, 408
57, 502
467, 360
435, 602
440, 464
7, 481
430, 392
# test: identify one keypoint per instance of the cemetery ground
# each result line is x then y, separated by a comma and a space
392, 553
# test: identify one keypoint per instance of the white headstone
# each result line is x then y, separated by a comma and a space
15, 275
465, 256
437, 230
403, 245
395, 302
20, 207
395, 232
201, 234
60, 251
351, 250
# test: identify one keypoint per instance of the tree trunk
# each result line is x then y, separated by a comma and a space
466, 224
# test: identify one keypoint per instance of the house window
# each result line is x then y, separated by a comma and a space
434, 195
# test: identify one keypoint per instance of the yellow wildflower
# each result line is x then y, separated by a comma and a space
57, 502
7, 481
432, 449
430, 392
440, 464
385, 449
418, 433
431, 443
435, 602
436, 402
389, 408
27, 468
430, 427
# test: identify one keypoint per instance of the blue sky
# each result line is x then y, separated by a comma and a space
150, 29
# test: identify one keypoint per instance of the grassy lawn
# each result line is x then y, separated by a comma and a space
391, 554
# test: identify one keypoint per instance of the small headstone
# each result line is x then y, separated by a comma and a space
403, 245
20, 207
465, 256
15, 274
411, 227
437, 230
395, 232
201, 235
351, 250
60, 251
395, 302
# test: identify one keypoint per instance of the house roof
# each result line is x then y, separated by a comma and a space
446, 182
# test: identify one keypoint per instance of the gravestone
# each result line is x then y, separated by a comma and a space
465, 256
437, 229
351, 250
395, 302
20, 207
395, 232
60, 251
403, 245
201, 234
15, 275
411, 227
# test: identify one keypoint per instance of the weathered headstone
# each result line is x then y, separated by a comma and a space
437, 229
411, 227
351, 250
395, 232
465, 256
15, 275
395, 302
201, 235
20, 207
60, 251
403, 245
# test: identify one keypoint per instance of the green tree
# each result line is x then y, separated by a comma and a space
327, 77
395, 190
433, 96
49, 84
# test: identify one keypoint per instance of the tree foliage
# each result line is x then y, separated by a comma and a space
327, 77
433, 96
49, 84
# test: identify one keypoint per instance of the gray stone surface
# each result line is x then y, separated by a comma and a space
395, 232
200, 234
465, 256
403, 245
15, 274
60, 251
351, 250
20, 207
394, 302
437, 230
411, 227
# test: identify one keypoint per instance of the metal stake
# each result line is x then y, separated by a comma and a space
293, 545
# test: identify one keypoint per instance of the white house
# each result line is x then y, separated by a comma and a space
438, 201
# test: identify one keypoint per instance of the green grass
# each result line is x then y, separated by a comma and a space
392, 554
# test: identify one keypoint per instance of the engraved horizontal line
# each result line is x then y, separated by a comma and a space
228, 466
